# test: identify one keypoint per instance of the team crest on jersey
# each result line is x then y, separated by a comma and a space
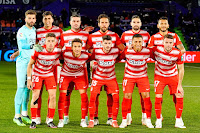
20, 34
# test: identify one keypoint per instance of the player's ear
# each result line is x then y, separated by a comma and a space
158, 26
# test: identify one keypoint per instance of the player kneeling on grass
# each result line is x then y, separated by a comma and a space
136, 73
43, 72
166, 59
74, 70
104, 74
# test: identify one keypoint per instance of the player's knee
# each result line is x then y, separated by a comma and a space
145, 94
127, 95
52, 96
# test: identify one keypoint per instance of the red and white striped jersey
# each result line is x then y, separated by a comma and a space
41, 33
136, 62
165, 63
157, 39
74, 66
69, 35
127, 36
45, 62
105, 69
95, 39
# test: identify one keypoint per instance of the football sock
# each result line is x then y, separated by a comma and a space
129, 107
97, 106
92, 106
142, 103
148, 107
125, 105
109, 105
61, 103
115, 107
179, 107
158, 107
84, 105
51, 113
67, 104
33, 113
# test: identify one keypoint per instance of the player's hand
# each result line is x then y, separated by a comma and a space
180, 89
13, 56
29, 84
130, 47
38, 48
88, 28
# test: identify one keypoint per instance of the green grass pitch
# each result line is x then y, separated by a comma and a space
191, 112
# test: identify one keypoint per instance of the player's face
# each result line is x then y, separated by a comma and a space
163, 25
75, 23
168, 44
30, 19
137, 42
107, 44
104, 24
136, 23
50, 42
77, 47
47, 20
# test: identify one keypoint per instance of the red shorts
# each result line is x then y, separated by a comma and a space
49, 82
142, 84
111, 86
161, 82
79, 81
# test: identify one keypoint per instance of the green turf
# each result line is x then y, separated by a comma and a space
191, 113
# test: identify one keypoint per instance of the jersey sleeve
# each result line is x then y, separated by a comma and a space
152, 50
122, 55
22, 40
180, 59
61, 41
118, 40
178, 40
89, 42
151, 41
123, 38
35, 55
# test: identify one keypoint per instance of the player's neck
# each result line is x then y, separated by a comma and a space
103, 31
163, 33
50, 49
48, 27
75, 30
28, 26
168, 50
135, 31
76, 55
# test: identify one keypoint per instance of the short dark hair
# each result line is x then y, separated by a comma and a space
30, 12
47, 13
135, 16
168, 36
137, 35
77, 40
163, 18
103, 16
50, 35
75, 15
106, 37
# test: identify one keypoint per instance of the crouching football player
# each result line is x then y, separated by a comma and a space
43, 72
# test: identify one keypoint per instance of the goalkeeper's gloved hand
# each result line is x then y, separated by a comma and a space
38, 48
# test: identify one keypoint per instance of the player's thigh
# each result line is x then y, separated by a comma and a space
173, 84
21, 72
112, 86
64, 82
81, 83
50, 83
128, 85
35, 94
37, 82
96, 86
143, 85
159, 84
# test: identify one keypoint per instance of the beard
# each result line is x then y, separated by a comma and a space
104, 29
163, 30
136, 28
30, 24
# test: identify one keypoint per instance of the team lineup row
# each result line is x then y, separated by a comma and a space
106, 48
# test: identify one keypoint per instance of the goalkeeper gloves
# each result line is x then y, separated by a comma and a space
38, 48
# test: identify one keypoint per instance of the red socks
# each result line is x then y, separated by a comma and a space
61, 103
109, 105
84, 105
179, 107
125, 105
148, 107
33, 113
142, 103
115, 107
129, 107
51, 113
92, 107
97, 106
66, 105
158, 107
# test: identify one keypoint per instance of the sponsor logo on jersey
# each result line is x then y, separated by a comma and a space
139, 62
44, 62
106, 63
163, 61
74, 66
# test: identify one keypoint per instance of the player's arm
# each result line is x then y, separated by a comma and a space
181, 74
119, 44
182, 48
121, 47
88, 28
29, 73
14, 55
151, 42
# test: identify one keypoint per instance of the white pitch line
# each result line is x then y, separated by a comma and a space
183, 86
192, 67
